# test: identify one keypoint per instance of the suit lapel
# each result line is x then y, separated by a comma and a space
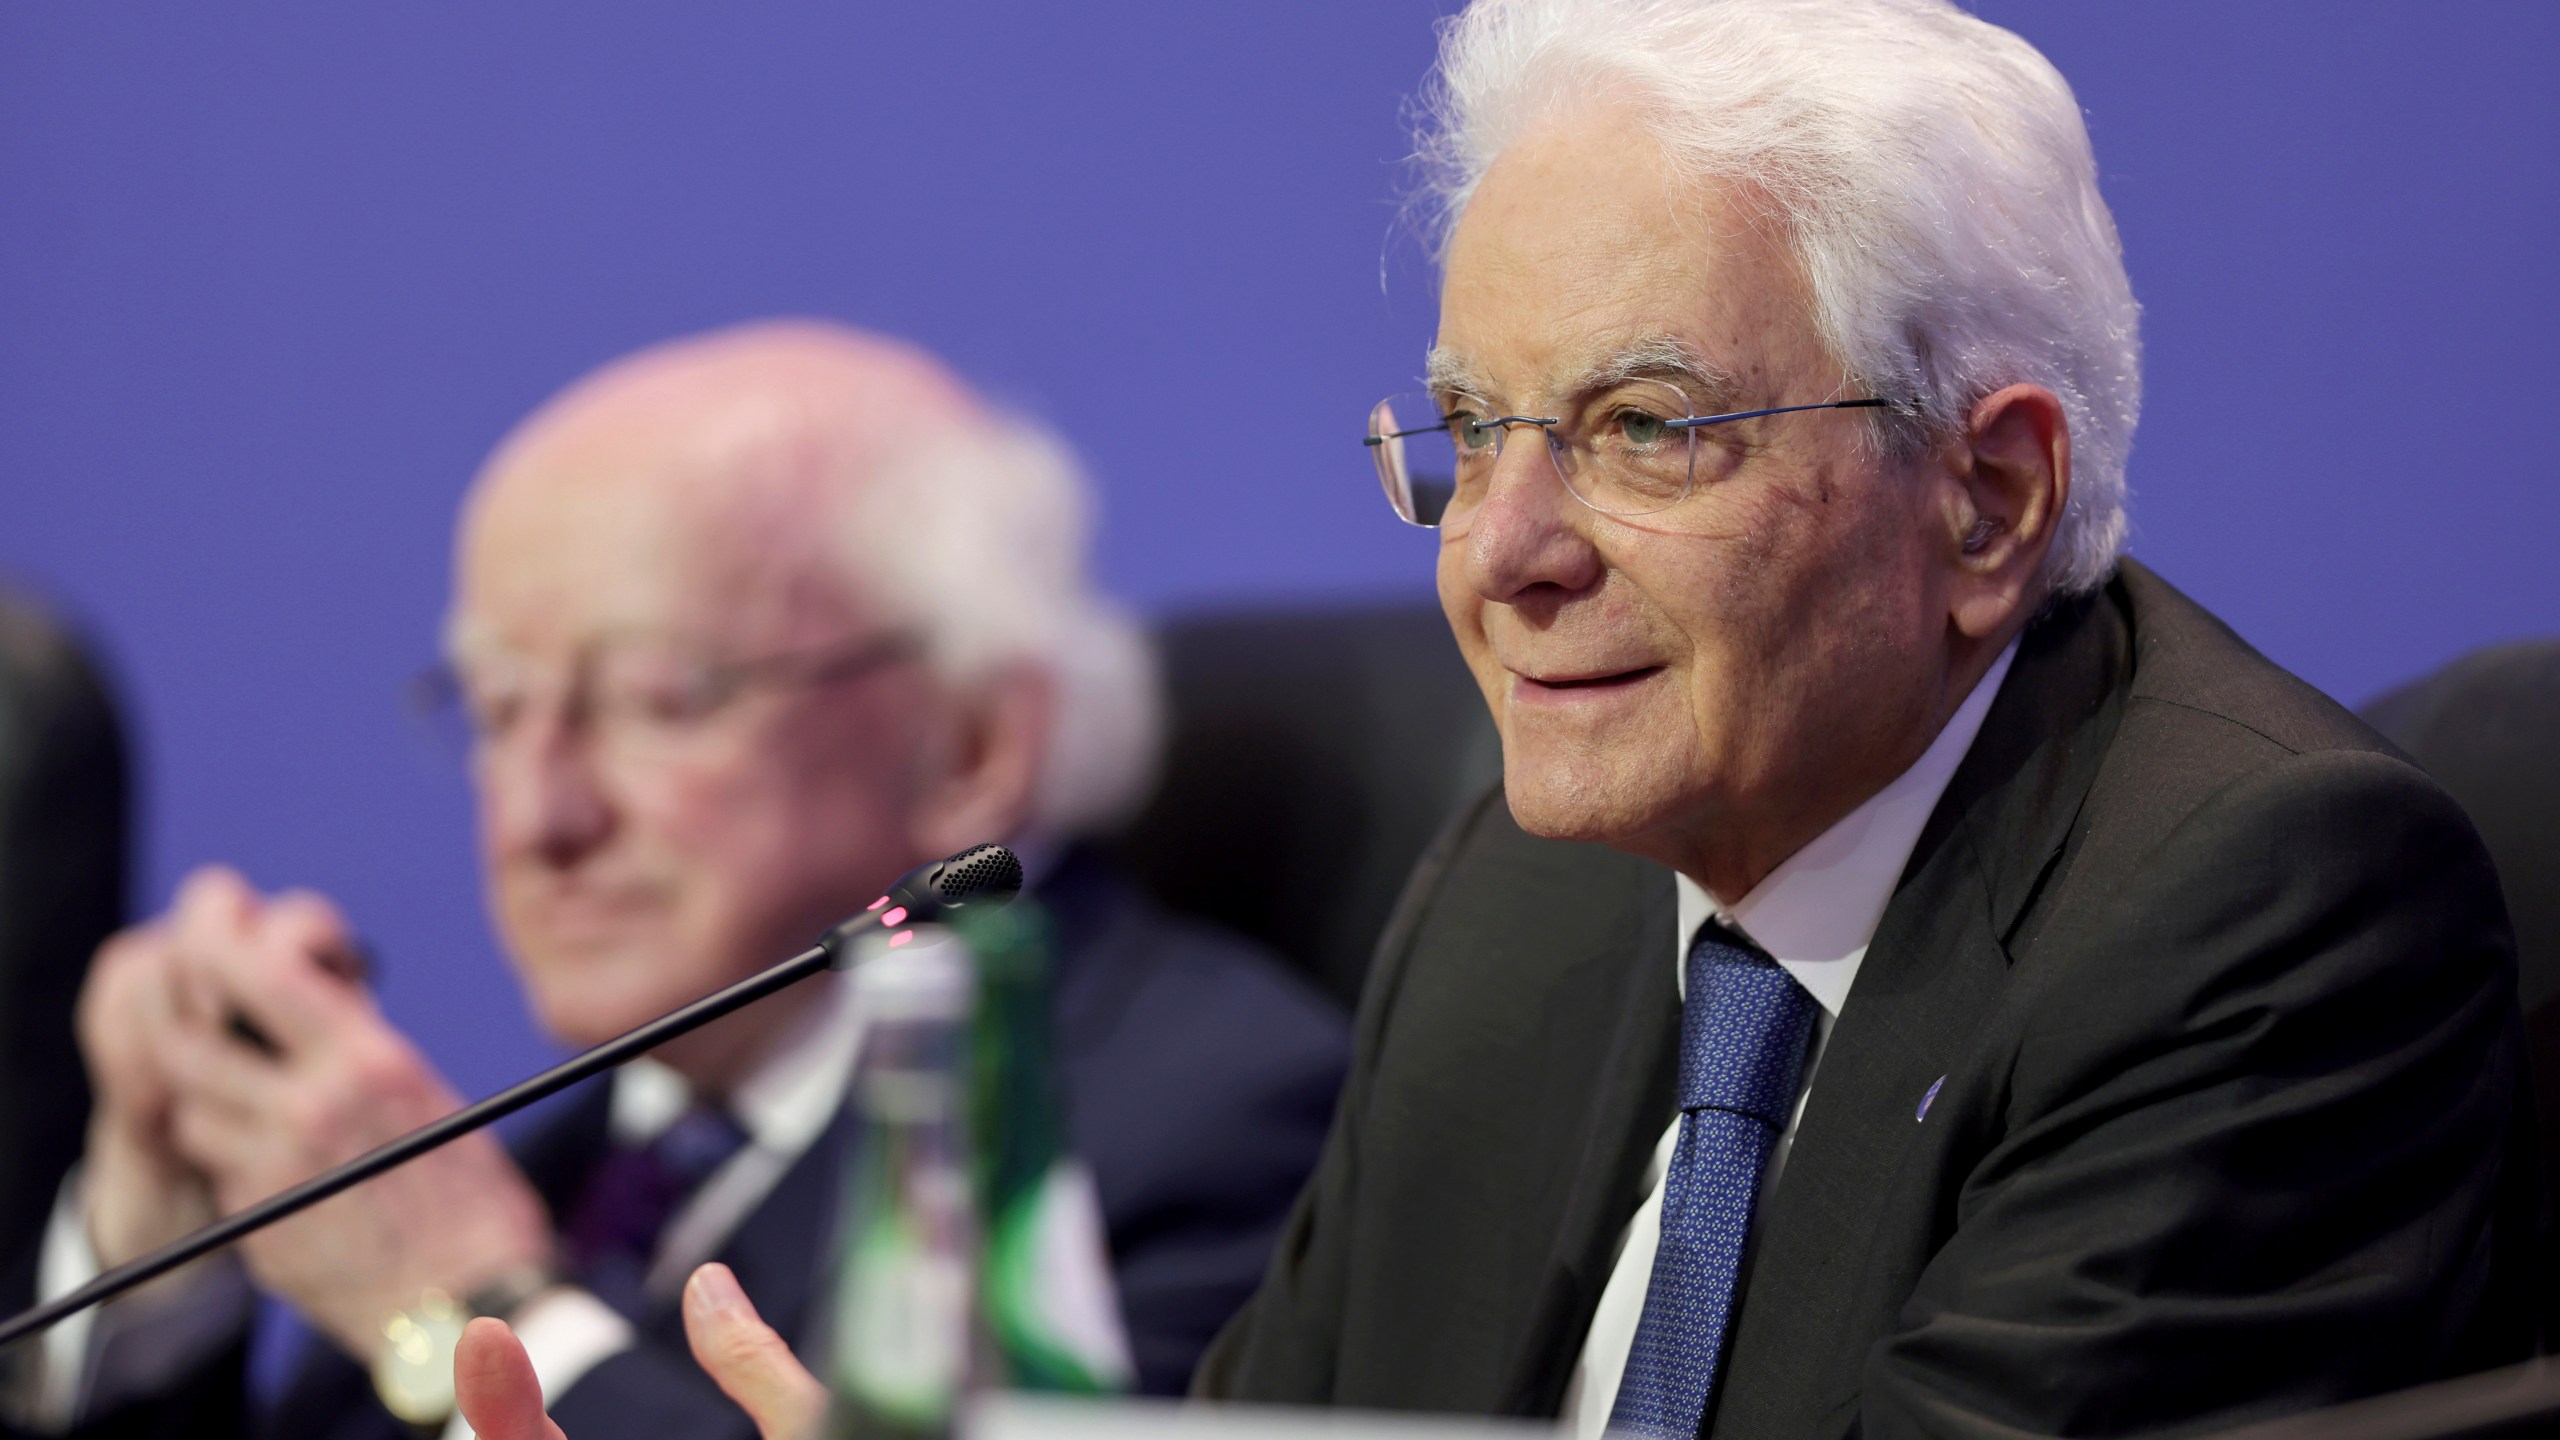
782, 1251
779, 1251
1938, 961
1619, 1121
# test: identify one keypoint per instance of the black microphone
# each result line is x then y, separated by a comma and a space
980, 875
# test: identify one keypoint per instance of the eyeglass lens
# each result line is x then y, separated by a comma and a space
1620, 455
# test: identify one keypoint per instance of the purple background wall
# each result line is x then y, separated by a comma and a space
273, 276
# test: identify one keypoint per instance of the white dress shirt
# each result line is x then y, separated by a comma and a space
1815, 915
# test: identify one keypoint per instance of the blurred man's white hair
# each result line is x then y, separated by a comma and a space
978, 535
1930, 171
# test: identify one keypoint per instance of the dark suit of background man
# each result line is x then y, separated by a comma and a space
744, 626
2089, 1029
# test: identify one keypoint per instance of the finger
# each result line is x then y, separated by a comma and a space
214, 1069
274, 976
212, 914
212, 908
127, 1003
749, 1362
211, 894
309, 994
494, 1385
129, 983
311, 922
235, 1150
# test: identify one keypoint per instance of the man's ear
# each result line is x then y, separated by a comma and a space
2011, 476
991, 758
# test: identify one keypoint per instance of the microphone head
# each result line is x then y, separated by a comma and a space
979, 875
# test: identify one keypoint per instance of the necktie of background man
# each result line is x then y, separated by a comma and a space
1745, 1028
613, 1229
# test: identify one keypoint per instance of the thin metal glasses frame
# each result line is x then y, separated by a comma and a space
1690, 422
1501, 425
438, 696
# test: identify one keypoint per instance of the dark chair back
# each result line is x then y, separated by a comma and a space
2487, 727
62, 891
1311, 756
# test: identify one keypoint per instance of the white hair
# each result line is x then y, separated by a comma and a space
978, 535
1930, 172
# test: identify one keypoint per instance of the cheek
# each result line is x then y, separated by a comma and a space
735, 839
1870, 575
1747, 603
1464, 609
712, 823
1801, 557
1827, 638
765, 848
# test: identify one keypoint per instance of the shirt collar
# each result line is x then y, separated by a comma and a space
783, 1102
1818, 911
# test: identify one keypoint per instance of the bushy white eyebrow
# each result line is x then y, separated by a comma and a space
1710, 387
1667, 358
1447, 373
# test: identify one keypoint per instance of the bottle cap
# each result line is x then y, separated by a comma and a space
918, 973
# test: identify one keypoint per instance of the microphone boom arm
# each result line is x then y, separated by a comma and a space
973, 875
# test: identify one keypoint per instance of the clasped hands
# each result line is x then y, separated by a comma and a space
195, 1120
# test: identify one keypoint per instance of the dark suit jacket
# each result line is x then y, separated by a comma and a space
2224, 1000
1199, 1075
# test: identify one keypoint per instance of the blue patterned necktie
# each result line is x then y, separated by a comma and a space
1744, 1031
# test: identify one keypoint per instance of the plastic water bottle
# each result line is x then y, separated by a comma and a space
907, 1346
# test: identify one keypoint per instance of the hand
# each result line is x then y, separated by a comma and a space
493, 1380
339, 1081
137, 1192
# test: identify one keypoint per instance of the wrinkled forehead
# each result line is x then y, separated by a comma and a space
1586, 255
718, 529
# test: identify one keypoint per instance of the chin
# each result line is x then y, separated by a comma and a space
1584, 797
581, 1023
587, 998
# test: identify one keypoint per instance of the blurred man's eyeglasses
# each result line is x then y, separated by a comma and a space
1633, 450
632, 701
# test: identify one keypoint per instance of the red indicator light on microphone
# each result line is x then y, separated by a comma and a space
876, 904
901, 938
895, 917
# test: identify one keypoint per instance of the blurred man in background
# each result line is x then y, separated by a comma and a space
744, 627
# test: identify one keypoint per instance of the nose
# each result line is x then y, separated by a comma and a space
1526, 540
541, 796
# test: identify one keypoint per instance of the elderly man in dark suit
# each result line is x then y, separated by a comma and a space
1921, 974
744, 626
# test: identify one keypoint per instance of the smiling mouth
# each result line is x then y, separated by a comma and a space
1618, 681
